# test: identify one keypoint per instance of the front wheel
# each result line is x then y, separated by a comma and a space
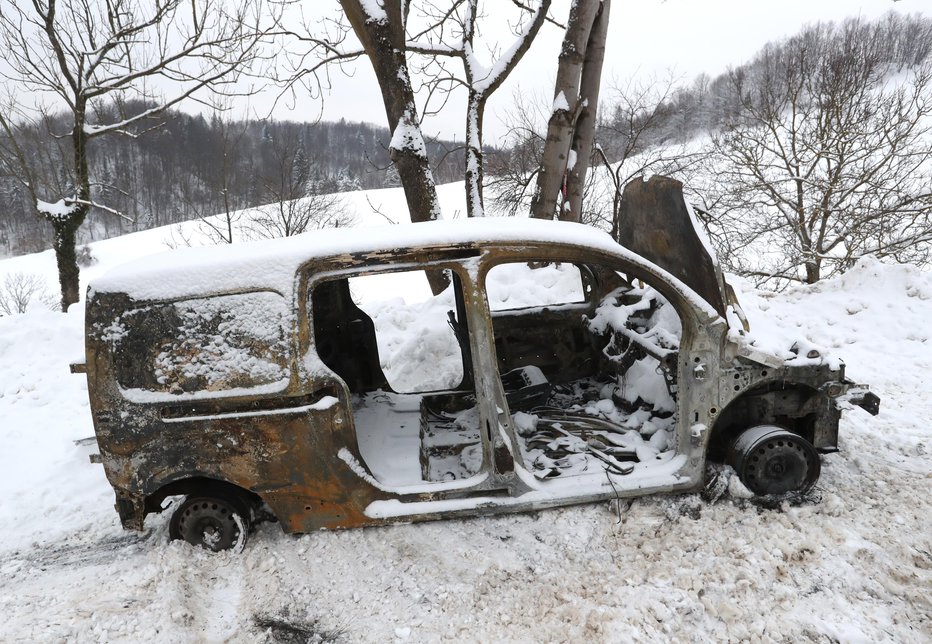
773, 460
210, 522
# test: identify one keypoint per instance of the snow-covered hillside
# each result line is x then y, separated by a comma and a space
855, 565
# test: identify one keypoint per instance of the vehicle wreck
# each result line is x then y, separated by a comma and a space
557, 367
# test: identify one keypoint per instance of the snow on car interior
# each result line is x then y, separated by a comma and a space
582, 397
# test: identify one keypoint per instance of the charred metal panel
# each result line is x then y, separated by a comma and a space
345, 337
656, 224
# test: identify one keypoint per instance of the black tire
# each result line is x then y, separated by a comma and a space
211, 522
773, 460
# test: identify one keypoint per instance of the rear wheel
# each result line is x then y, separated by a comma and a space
214, 523
773, 460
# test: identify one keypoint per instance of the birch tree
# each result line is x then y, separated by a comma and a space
77, 55
571, 128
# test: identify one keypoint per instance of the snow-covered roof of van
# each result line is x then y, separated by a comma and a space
272, 264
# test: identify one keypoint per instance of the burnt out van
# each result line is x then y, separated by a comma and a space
366, 376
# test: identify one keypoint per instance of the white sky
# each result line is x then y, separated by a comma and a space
647, 37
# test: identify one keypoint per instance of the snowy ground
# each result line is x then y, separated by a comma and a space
854, 566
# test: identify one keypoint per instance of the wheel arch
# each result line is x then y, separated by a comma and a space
794, 406
200, 485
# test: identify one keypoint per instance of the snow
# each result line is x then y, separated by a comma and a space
852, 566
217, 357
57, 210
271, 265
407, 136
375, 9
518, 286
560, 104
411, 333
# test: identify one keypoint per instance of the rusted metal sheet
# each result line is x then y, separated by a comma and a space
656, 224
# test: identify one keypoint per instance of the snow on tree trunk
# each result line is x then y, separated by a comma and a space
474, 203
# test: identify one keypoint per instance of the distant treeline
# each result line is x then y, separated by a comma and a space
182, 166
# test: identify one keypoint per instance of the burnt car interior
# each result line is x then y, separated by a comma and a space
587, 360
610, 394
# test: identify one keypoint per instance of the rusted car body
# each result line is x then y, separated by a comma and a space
253, 382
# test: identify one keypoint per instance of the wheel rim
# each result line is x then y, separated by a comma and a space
214, 524
772, 460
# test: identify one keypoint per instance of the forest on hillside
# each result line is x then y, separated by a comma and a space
182, 166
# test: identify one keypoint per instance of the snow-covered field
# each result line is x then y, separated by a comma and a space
854, 566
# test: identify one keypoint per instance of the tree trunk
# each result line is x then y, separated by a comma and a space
66, 258
474, 203
585, 125
813, 272
479, 91
562, 122
384, 43
66, 225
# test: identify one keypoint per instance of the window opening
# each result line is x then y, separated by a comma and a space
404, 354
522, 285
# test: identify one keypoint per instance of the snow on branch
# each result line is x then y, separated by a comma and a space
65, 208
61, 209
495, 75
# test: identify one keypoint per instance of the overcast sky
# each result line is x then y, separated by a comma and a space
646, 37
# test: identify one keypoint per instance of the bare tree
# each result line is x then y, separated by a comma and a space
294, 207
512, 174
218, 220
22, 290
290, 217
827, 158
631, 142
571, 129
73, 55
